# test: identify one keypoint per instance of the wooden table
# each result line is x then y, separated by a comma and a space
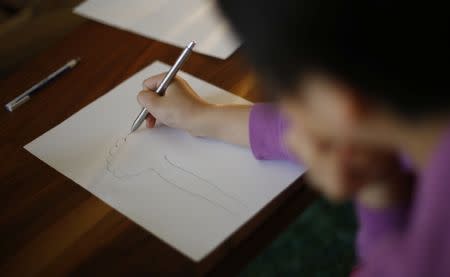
50, 225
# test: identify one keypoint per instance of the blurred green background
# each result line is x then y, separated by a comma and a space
320, 242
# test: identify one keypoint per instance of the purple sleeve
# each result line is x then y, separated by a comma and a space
414, 242
266, 128
374, 224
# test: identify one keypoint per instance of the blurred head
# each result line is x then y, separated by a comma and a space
356, 69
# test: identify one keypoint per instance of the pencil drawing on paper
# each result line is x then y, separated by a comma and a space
172, 168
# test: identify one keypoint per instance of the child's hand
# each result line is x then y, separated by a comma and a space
180, 107
341, 164
374, 176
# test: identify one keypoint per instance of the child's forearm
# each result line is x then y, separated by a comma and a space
228, 123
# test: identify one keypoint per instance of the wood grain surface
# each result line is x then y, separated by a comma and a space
51, 226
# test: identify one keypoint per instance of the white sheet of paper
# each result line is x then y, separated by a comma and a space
190, 192
176, 22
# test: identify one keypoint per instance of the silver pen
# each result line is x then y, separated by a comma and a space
165, 83
24, 97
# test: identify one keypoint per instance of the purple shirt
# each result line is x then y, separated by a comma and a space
411, 240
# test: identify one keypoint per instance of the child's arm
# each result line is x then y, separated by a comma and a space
382, 207
398, 237
378, 218
260, 126
182, 108
417, 241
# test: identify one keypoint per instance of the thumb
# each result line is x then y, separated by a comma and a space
148, 99
153, 82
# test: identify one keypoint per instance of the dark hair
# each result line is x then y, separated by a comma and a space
394, 52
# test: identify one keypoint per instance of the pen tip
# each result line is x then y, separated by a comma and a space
133, 128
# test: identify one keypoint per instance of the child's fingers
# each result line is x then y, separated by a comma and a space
150, 121
153, 82
149, 100
326, 172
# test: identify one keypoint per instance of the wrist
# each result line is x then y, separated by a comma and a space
227, 123
385, 195
201, 120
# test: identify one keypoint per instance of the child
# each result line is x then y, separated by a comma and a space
358, 83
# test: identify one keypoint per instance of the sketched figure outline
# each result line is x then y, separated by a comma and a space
125, 176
